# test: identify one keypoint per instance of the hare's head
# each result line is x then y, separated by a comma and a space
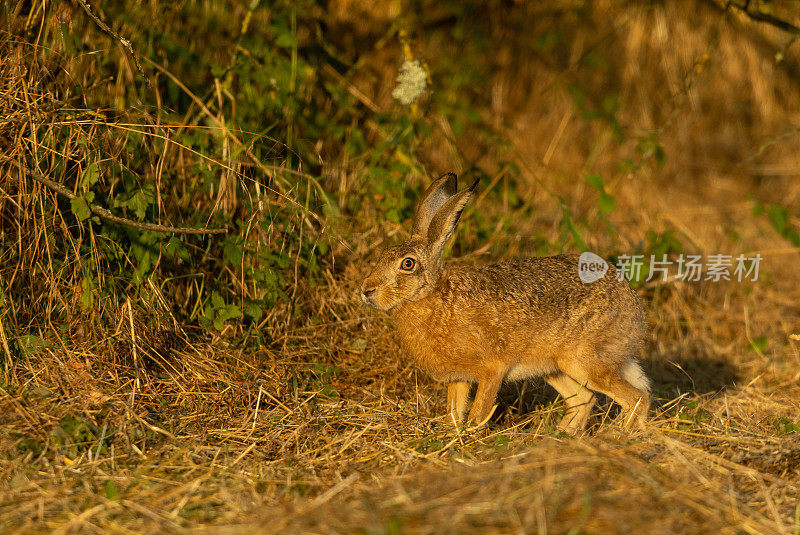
411, 270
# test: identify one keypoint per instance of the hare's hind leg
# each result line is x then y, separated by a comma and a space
457, 397
629, 387
626, 384
579, 401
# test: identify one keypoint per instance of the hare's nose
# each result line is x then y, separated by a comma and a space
366, 294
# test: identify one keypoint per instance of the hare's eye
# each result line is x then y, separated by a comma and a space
407, 264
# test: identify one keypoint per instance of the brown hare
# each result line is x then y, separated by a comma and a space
532, 317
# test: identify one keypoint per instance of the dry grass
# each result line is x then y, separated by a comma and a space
127, 426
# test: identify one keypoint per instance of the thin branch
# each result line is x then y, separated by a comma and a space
105, 214
124, 42
755, 14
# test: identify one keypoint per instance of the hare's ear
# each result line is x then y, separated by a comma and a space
434, 197
444, 222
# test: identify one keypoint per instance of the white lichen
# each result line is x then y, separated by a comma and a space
411, 82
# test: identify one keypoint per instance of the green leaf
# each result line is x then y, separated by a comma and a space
286, 40
111, 490
793, 237
626, 165
650, 147
176, 247
139, 203
31, 344
87, 295
501, 440
594, 180
145, 262
784, 426
759, 344
659, 154
80, 208
252, 309
688, 422
234, 251
228, 313
322, 247
779, 217
90, 176
569, 224
359, 344
205, 319
606, 203
41, 392
78, 429
25, 445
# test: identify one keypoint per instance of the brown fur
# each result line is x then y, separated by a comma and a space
527, 318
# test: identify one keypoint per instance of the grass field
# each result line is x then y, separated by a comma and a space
160, 382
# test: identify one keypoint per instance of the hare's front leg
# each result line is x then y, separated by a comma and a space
488, 385
457, 397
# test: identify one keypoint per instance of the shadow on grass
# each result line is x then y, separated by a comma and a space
670, 378
699, 375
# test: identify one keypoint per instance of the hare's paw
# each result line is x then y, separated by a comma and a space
457, 398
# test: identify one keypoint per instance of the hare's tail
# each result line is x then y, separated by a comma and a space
632, 372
